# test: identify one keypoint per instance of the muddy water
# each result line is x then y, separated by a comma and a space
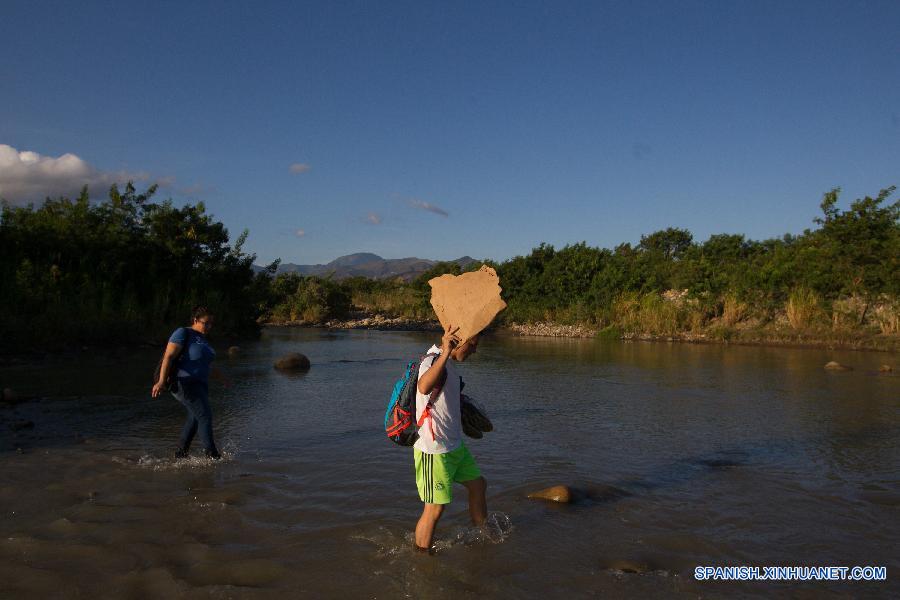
681, 456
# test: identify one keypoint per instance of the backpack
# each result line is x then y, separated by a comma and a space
173, 370
400, 418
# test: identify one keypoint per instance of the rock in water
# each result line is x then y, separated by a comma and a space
836, 366
20, 424
885, 368
293, 361
234, 351
626, 566
557, 493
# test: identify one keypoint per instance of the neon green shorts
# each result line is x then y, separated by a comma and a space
435, 473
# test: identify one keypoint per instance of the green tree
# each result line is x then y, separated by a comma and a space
120, 269
862, 244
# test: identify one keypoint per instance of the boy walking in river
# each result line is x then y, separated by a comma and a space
441, 457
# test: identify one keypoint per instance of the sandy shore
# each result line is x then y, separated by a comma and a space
547, 329
380, 322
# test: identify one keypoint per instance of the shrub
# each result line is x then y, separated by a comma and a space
610, 332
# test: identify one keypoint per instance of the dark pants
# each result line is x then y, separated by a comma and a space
194, 395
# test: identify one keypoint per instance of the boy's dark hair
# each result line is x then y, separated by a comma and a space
198, 312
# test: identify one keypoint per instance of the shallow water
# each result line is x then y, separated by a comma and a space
680, 455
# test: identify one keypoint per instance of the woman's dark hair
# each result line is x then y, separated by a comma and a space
199, 312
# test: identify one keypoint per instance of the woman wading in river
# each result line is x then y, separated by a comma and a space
189, 352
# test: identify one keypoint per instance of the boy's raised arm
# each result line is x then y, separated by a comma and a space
436, 374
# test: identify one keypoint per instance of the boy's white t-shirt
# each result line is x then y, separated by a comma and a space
445, 420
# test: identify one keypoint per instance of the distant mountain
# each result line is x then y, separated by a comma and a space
368, 265
354, 260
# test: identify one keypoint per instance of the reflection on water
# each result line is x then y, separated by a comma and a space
679, 456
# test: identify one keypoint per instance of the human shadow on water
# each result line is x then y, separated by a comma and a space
91, 421
721, 461
47, 422
630, 560
585, 494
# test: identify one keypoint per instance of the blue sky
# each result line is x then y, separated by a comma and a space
443, 129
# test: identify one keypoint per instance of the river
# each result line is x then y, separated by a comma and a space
680, 456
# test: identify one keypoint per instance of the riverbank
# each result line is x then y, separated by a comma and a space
376, 322
773, 335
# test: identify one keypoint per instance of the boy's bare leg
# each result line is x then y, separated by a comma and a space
427, 522
477, 500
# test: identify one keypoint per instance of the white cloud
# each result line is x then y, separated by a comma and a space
373, 219
30, 177
421, 204
299, 233
298, 168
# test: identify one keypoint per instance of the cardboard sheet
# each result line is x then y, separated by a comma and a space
469, 301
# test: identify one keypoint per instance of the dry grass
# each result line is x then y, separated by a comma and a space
400, 302
734, 311
886, 314
626, 311
654, 315
803, 309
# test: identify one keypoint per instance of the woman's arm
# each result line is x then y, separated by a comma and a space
172, 350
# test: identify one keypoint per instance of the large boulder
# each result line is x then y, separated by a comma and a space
557, 493
20, 424
10, 396
836, 366
293, 361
